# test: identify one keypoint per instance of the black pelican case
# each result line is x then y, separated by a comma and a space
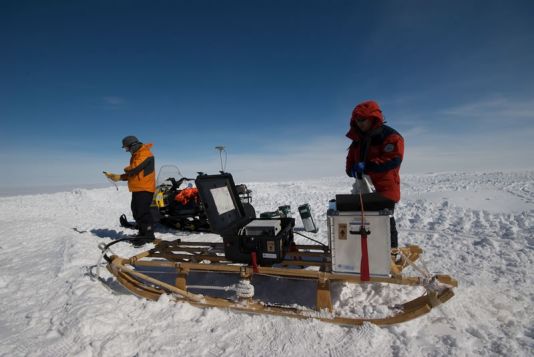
227, 218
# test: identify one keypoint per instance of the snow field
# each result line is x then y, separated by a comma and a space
476, 227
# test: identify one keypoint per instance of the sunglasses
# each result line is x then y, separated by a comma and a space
361, 120
128, 148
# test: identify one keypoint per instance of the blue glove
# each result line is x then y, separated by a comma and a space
356, 169
359, 167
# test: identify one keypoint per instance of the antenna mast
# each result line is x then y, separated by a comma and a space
221, 150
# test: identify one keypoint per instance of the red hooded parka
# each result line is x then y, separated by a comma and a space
381, 148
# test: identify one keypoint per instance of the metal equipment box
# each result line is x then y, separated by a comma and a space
262, 227
345, 238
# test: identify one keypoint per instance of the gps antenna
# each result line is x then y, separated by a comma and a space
221, 150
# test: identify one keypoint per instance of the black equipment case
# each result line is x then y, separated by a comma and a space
227, 217
371, 202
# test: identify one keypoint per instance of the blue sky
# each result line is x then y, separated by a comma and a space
273, 81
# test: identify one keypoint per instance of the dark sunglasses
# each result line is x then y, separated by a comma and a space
361, 120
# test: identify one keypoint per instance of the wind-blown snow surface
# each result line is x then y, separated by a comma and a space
479, 228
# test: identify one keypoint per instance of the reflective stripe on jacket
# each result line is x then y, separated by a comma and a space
141, 174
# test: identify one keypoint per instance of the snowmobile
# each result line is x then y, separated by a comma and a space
180, 207
258, 257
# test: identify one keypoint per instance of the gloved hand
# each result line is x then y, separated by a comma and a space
113, 177
357, 170
359, 167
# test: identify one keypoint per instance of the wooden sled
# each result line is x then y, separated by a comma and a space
167, 268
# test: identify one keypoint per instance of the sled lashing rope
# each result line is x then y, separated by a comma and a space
364, 262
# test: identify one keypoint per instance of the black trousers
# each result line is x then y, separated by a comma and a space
140, 205
394, 233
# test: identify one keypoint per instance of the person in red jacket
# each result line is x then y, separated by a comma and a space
377, 150
141, 178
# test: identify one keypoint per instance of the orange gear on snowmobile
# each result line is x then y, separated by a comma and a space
186, 195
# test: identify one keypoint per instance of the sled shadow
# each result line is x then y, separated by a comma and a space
269, 289
114, 286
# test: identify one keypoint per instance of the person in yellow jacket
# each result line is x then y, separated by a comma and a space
141, 177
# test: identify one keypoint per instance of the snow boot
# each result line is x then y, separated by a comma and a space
146, 235
126, 224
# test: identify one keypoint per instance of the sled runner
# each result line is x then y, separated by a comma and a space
258, 257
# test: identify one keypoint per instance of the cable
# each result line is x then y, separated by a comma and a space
313, 240
104, 248
110, 180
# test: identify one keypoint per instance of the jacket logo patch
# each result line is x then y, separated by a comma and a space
389, 148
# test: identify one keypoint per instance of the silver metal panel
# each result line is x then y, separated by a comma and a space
345, 242
263, 227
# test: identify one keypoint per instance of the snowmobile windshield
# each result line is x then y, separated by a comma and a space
166, 172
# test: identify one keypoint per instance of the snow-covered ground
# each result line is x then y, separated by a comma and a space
476, 227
